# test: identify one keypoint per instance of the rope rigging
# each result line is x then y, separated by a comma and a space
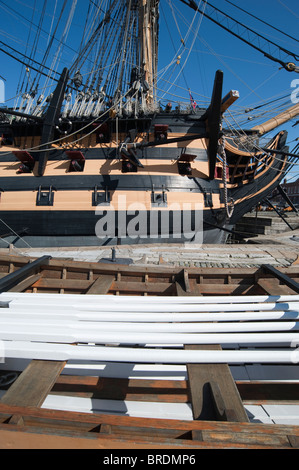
218, 17
109, 58
262, 21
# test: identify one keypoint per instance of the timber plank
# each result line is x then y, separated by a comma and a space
277, 441
282, 276
166, 391
191, 290
212, 389
230, 438
25, 284
269, 392
272, 287
206, 288
184, 425
15, 438
140, 287
215, 434
203, 400
253, 392
101, 286
74, 284
33, 385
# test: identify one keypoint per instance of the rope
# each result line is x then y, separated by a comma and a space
38, 147
222, 153
242, 133
15, 233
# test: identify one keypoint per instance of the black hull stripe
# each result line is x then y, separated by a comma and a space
83, 223
126, 182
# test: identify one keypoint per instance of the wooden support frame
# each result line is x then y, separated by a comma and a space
13, 278
219, 417
80, 430
214, 394
73, 277
282, 277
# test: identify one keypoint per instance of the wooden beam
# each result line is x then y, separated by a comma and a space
132, 430
12, 279
102, 285
92, 420
167, 391
281, 276
206, 288
141, 287
207, 400
272, 287
261, 392
33, 385
213, 392
72, 284
25, 438
23, 285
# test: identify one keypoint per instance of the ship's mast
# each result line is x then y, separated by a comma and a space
148, 34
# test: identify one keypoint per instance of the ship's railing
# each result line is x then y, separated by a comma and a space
246, 165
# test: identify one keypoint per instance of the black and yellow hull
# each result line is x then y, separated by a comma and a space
108, 203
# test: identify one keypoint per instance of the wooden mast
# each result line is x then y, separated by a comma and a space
148, 17
278, 120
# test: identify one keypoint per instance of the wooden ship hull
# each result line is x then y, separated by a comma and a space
167, 184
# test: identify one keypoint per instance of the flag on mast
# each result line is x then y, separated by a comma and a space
193, 102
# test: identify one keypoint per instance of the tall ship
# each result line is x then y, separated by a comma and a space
91, 156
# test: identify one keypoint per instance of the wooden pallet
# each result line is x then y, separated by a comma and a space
219, 416
72, 277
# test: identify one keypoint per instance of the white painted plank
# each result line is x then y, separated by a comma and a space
273, 372
46, 313
152, 299
158, 410
137, 307
257, 414
63, 352
59, 334
283, 414
88, 327
127, 371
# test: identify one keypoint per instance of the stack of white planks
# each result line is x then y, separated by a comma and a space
46, 327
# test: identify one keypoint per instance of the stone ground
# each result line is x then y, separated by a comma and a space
279, 250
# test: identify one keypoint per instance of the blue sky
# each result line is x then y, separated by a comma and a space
256, 78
